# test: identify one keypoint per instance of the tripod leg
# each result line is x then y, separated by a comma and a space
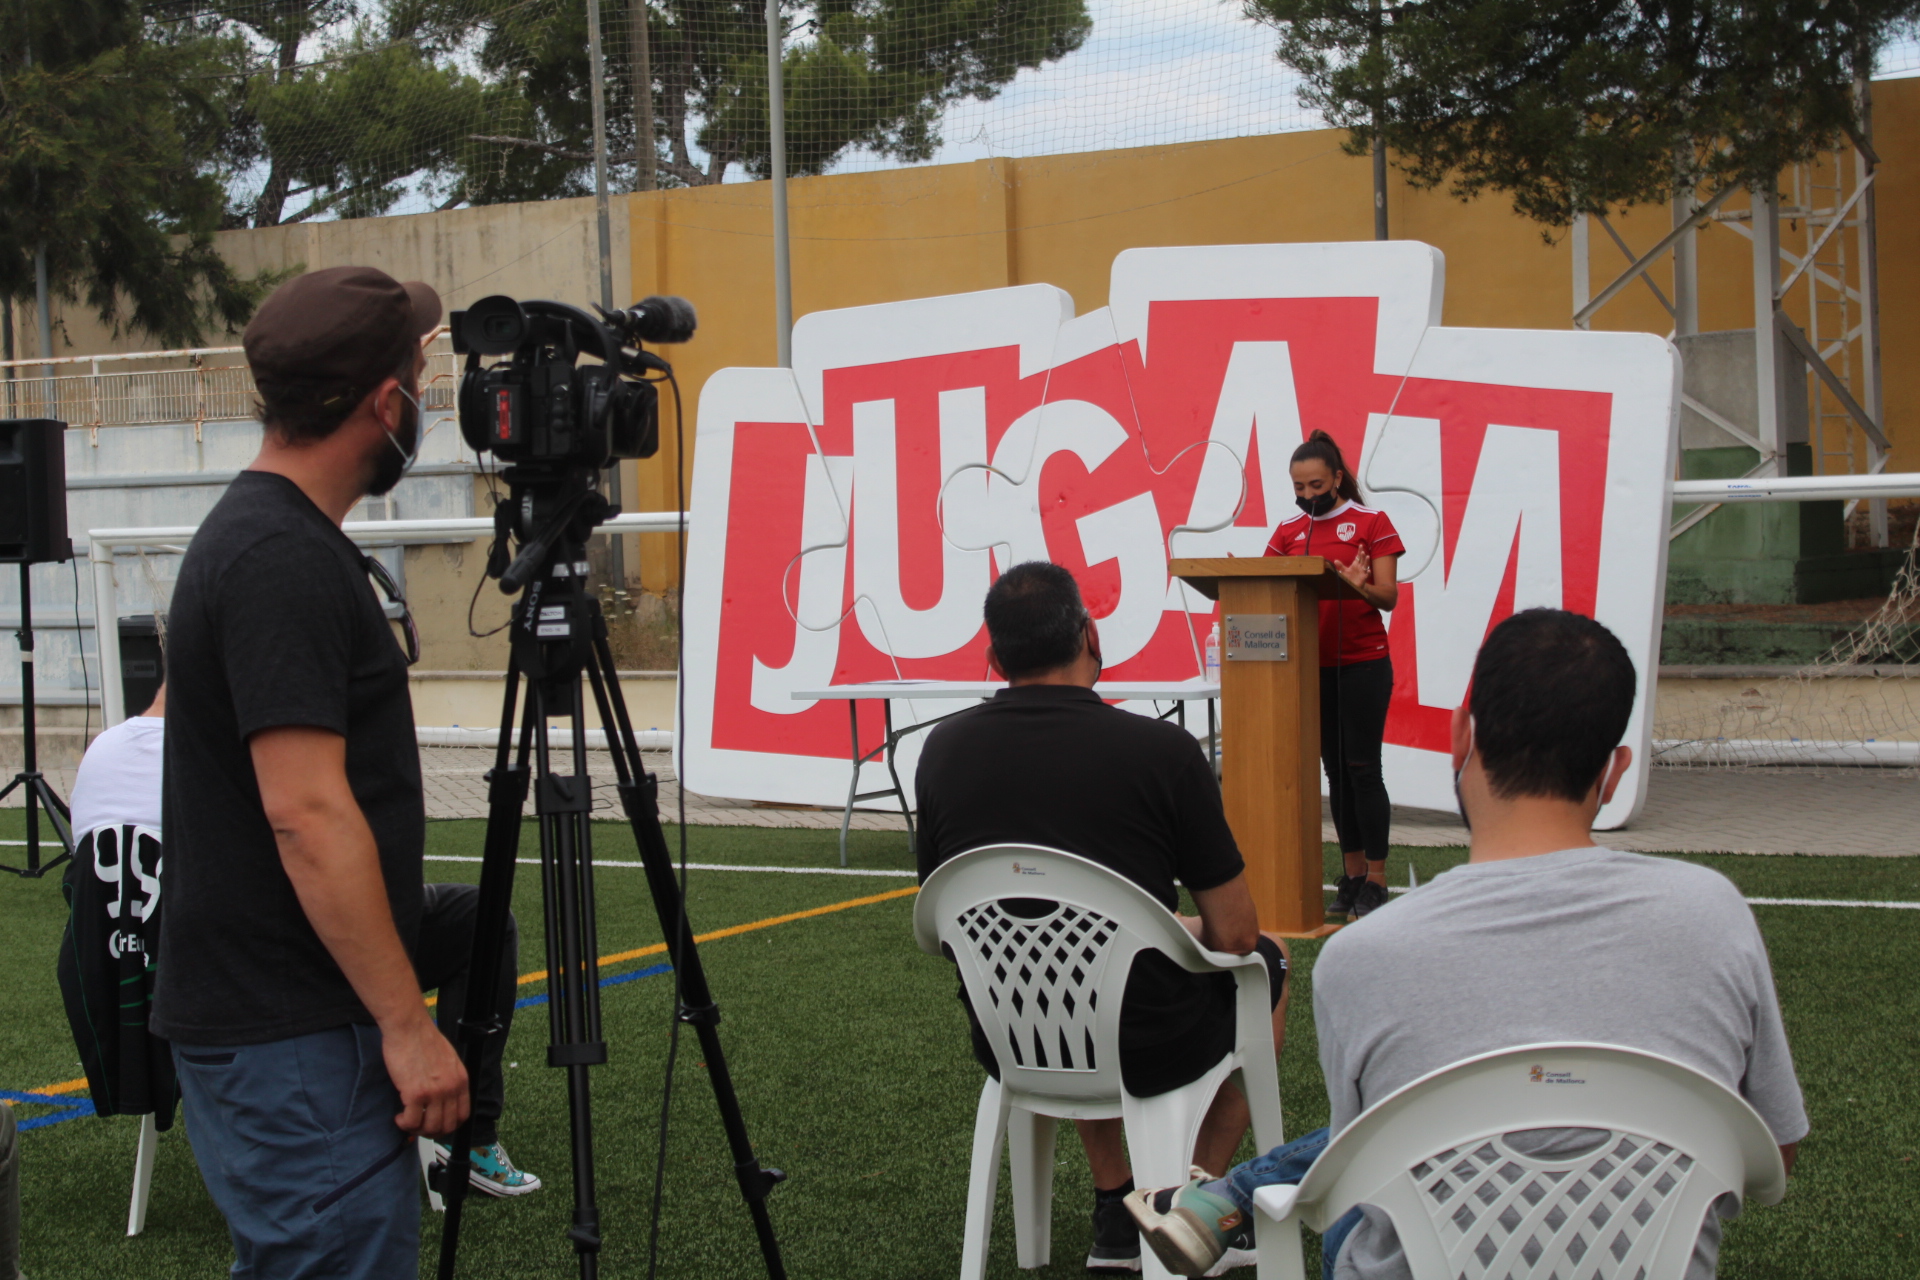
506, 796
639, 796
564, 804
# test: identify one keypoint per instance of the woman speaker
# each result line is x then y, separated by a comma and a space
1356, 675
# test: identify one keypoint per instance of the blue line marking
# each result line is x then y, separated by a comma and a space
69, 1108
614, 981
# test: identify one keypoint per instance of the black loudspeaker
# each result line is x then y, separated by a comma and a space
33, 491
143, 664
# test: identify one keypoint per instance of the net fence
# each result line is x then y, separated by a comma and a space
354, 108
1856, 706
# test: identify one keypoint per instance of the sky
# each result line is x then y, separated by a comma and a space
1150, 72
1153, 72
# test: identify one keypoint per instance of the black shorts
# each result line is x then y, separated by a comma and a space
1152, 1064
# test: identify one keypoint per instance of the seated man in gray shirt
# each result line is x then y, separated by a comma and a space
1542, 936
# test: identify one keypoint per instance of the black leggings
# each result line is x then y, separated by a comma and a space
440, 956
1353, 720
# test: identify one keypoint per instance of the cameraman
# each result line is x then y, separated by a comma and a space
297, 926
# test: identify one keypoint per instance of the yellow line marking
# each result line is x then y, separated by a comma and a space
69, 1086
659, 947
540, 975
654, 950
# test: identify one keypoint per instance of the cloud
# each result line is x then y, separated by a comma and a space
1179, 71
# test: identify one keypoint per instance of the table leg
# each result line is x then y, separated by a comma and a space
1213, 740
898, 791
846, 818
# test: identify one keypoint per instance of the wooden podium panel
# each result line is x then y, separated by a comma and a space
1270, 728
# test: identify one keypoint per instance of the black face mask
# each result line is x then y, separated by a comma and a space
1319, 504
391, 464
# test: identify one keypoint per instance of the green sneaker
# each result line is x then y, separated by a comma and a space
1188, 1228
493, 1171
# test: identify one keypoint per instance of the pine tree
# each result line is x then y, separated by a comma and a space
872, 75
1576, 107
104, 138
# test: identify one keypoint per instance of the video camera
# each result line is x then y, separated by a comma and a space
541, 405
557, 422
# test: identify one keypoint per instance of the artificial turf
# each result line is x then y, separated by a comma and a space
848, 1051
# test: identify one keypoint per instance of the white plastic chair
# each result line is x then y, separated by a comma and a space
143, 1153
149, 1143
1464, 1203
1047, 992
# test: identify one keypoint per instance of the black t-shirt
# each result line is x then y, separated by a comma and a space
1053, 765
273, 623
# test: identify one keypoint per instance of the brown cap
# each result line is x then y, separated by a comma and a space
337, 332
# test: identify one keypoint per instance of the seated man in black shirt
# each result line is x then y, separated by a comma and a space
1047, 762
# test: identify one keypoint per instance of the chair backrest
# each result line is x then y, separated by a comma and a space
1047, 986
1465, 1202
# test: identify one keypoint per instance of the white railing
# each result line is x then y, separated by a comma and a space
1890, 484
103, 543
193, 384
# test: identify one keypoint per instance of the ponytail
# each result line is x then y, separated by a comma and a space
1321, 447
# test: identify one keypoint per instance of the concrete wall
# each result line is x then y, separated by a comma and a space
549, 249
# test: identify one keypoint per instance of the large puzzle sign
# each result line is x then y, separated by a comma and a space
849, 514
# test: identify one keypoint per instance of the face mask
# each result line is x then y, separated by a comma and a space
1319, 504
388, 469
1459, 801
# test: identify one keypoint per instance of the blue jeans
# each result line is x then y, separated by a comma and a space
1284, 1166
296, 1142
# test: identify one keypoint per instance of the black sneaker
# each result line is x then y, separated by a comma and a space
1371, 896
1343, 890
1116, 1240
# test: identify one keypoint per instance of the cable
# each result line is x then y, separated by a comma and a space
680, 802
493, 492
80, 647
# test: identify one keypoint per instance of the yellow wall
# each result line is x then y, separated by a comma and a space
878, 237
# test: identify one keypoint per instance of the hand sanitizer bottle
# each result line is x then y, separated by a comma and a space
1213, 655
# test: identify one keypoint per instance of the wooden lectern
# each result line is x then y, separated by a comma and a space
1270, 725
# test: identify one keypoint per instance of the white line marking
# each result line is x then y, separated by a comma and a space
849, 871
1763, 902
1831, 902
706, 866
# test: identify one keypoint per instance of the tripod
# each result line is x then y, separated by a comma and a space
37, 793
557, 635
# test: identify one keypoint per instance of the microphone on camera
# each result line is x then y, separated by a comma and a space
658, 318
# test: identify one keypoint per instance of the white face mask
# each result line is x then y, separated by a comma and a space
419, 416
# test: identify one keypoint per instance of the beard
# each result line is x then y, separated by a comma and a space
397, 453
